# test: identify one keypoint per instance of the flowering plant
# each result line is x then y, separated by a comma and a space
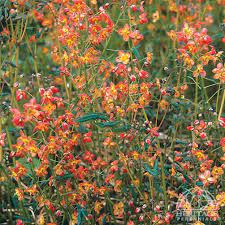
111, 111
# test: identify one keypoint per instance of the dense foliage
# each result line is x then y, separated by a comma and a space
110, 112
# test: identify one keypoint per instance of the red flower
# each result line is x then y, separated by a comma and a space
80, 172
222, 143
143, 74
202, 135
87, 137
19, 118
20, 95
222, 122
89, 157
19, 222
143, 18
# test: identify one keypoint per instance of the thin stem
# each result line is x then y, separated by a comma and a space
164, 182
196, 97
222, 104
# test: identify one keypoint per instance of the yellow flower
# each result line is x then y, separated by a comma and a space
94, 2
221, 199
149, 57
124, 57
117, 187
41, 220
217, 171
155, 16
98, 207
135, 155
118, 209
198, 223
173, 171
136, 182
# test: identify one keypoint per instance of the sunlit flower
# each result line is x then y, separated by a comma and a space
125, 32
124, 57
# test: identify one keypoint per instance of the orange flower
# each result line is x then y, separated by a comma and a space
136, 182
49, 108
59, 170
133, 107
98, 206
163, 104
18, 171
188, 61
135, 155
20, 194
173, 171
118, 209
199, 71
172, 34
149, 57
117, 187
125, 32
42, 170
31, 190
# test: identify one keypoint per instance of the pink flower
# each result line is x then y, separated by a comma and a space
206, 178
2, 139
219, 72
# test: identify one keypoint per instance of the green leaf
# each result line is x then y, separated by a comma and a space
218, 36
92, 116
186, 178
82, 129
35, 163
134, 194
136, 52
199, 183
15, 201
154, 172
108, 124
149, 111
81, 214
104, 220
4, 94
157, 185
126, 127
